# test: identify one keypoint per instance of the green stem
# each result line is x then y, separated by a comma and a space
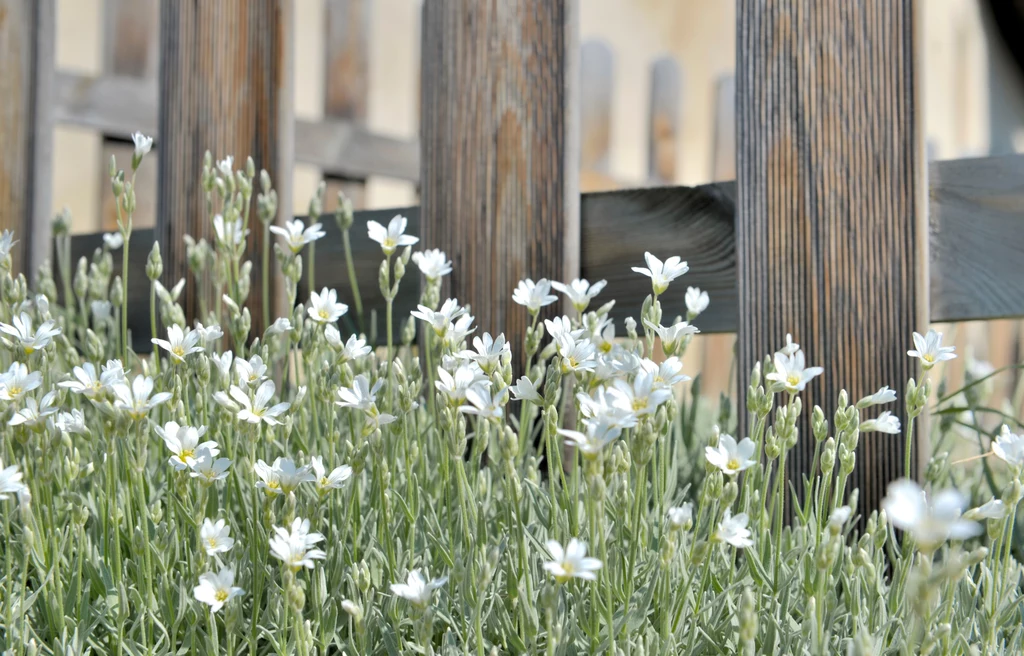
352, 281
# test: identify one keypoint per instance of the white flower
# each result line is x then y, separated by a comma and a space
729, 456
455, 386
10, 481
216, 537
562, 326
417, 589
533, 295
432, 263
17, 382
255, 410
183, 443
1007, 446
672, 337
441, 319
250, 372
391, 237
483, 403
886, 422
930, 350
284, 477
296, 235
607, 406
882, 396
113, 240
525, 390
580, 292
791, 347
991, 509
295, 548
326, 482
280, 326
839, 517
136, 400
7, 242
791, 373
101, 310
208, 467
680, 518
33, 413
571, 562
113, 372
931, 521
324, 307
641, 396
490, 351
696, 302
576, 355
218, 589
22, 335
208, 334
179, 343
72, 422
667, 373
223, 363
354, 348
733, 530
458, 331
598, 435
229, 233
143, 145
364, 398
662, 273
227, 166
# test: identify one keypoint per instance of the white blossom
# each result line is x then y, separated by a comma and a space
696, 302
7, 242
417, 588
1009, 447
216, 537
791, 372
533, 295
571, 562
283, 477
680, 518
295, 548
580, 292
929, 349
18, 381
179, 344
662, 273
525, 390
929, 520
733, 530
33, 413
439, 320
215, 590
208, 468
483, 403
143, 145
325, 481
113, 240
183, 443
138, 399
324, 307
10, 481
251, 372
432, 263
258, 408
886, 422
991, 509
882, 396
20, 334
672, 337
391, 237
731, 456
230, 233
454, 386
296, 235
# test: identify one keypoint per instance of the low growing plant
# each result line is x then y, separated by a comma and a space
300, 491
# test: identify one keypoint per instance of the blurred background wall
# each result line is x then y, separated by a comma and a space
973, 105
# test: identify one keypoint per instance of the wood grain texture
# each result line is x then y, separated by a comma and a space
495, 183
119, 105
131, 45
346, 79
830, 232
26, 127
976, 236
225, 85
663, 121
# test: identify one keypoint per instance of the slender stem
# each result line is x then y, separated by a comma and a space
265, 275
352, 281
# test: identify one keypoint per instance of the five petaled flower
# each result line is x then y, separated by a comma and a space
417, 588
930, 350
662, 273
296, 235
391, 237
218, 589
571, 562
731, 456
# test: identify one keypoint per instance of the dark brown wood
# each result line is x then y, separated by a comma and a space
346, 80
663, 124
225, 86
831, 234
498, 188
117, 106
26, 126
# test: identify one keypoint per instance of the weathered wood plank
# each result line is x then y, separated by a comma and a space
130, 43
118, 106
225, 85
976, 238
346, 80
663, 122
831, 232
497, 172
26, 126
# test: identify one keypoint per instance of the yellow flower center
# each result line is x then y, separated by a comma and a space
323, 313
389, 243
928, 357
274, 485
793, 380
639, 404
212, 542
178, 350
186, 454
14, 391
606, 347
29, 350
733, 464
221, 595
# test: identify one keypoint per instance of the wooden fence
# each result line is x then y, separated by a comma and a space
836, 228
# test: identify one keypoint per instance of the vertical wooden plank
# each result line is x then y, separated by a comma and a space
26, 127
597, 79
831, 227
225, 86
346, 79
499, 191
131, 43
723, 163
663, 124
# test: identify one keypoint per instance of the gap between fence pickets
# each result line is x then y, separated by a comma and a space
976, 246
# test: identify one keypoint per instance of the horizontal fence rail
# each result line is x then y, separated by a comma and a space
976, 237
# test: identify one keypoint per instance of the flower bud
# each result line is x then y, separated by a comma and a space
154, 264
